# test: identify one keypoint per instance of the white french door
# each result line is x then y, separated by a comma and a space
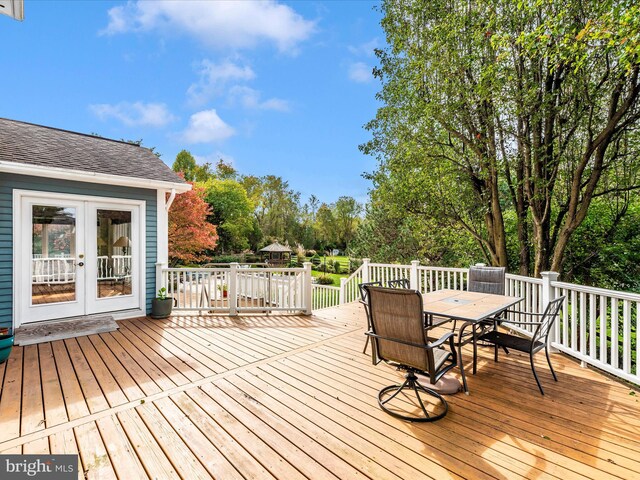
77, 256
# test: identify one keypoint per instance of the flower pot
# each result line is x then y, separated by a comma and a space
6, 344
161, 308
224, 294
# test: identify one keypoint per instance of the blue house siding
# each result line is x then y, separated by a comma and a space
10, 182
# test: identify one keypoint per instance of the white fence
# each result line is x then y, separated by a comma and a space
239, 289
596, 326
325, 296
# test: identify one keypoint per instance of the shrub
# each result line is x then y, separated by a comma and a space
324, 280
316, 260
226, 259
354, 264
336, 266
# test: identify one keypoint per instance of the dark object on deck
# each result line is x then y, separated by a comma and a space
6, 344
399, 338
161, 307
539, 340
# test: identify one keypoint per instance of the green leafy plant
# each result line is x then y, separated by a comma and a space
162, 294
336, 266
324, 280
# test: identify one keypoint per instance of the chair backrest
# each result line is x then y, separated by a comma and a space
486, 280
363, 291
399, 283
546, 322
397, 314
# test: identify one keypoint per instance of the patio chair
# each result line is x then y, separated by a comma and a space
538, 341
399, 283
364, 300
486, 280
399, 338
483, 279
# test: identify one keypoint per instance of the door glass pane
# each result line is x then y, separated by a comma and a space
53, 258
114, 253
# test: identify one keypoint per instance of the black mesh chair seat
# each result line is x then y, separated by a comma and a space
512, 342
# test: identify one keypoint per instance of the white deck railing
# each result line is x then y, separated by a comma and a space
239, 289
596, 326
325, 296
57, 270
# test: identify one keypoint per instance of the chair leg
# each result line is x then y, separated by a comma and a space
495, 352
546, 351
364, 350
411, 383
535, 375
475, 348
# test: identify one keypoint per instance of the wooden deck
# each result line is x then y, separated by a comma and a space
293, 397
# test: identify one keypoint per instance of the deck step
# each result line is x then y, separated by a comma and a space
60, 329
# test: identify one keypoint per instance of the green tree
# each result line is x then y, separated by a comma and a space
496, 106
231, 211
277, 209
186, 164
346, 214
325, 227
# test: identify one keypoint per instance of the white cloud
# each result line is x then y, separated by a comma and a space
360, 72
218, 24
366, 48
135, 114
214, 77
207, 127
250, 98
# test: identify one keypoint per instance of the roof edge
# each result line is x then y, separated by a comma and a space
91, 177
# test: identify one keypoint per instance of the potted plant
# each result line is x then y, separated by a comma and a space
223, 289
161, 305
6, 344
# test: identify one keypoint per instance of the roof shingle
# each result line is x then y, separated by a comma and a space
42, 146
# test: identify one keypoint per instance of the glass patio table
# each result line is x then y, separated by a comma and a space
471, 308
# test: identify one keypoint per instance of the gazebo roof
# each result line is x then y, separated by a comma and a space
276, 247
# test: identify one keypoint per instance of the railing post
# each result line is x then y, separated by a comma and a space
307, 288
232, 296
343, 291
413, 275
365, 270
548, 295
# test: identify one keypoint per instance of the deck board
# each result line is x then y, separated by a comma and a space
278, 396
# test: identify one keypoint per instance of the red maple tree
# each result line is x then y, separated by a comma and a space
190, 235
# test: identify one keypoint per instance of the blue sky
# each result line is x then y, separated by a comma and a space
274, 87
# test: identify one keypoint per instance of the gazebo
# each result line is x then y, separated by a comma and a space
276, 254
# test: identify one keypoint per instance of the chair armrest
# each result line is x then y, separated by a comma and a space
523, 313
428, 346
441, 340
522, 323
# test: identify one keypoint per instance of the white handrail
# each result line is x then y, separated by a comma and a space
237, 290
